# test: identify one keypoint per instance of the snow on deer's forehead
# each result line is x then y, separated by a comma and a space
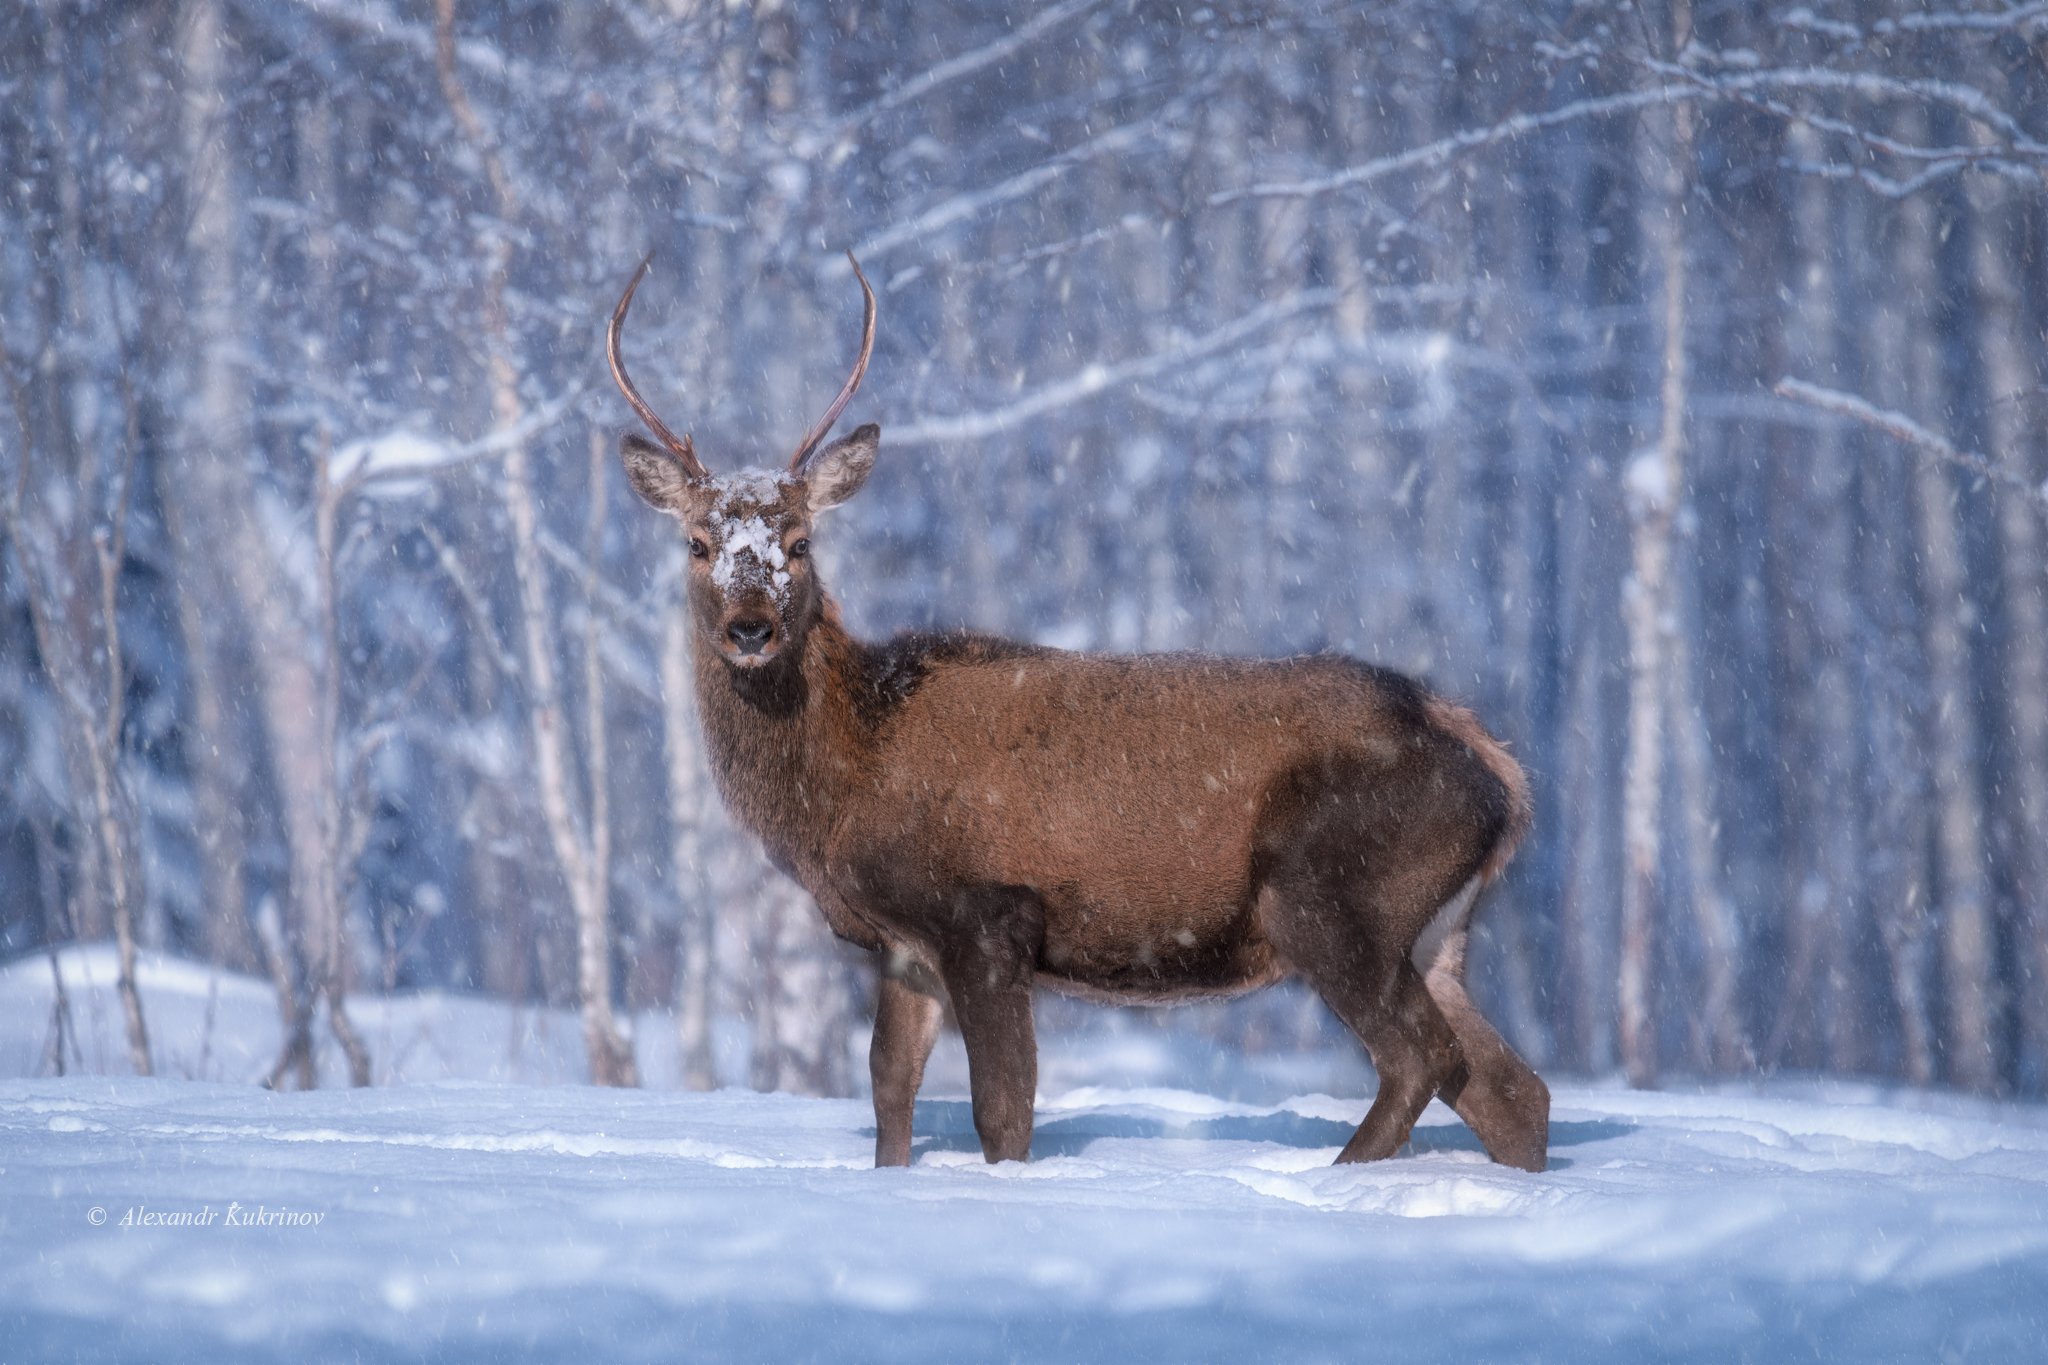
747, 521
752, 485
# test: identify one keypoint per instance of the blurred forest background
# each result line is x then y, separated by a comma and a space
1664, 380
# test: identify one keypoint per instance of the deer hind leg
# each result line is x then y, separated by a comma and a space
1376, 990
1494, 1091
988, 959
906, 1026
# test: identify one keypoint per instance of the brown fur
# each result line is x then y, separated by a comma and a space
1454, 719
987, 816
1126, 812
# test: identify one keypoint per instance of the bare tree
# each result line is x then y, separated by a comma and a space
1655, 480
218, 505
578, 829
64, 510
2011, 406
72, 573
1963, 904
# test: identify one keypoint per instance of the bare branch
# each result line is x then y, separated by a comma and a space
1457, 144
1683, 84
356, 467
473, 603
1098, 379
629, 617
487, 146
1966, 100
969, 203
1016, 263
967, 63
2015, 17
1904, 428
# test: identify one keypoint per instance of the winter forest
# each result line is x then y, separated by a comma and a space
1661, 379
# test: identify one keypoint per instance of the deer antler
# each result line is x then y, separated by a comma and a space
816, 436
682, 449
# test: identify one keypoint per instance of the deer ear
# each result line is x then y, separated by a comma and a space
657, 476
837, 472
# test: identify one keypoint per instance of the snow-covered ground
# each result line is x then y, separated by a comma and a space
473, 1221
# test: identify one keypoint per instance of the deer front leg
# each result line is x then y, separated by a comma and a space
988, 962
906, 1026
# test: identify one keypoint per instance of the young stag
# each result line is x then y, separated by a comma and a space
985, 815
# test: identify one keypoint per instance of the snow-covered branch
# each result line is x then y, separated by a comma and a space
2013, 18
967, 63
1446, 149
1896, 424
1682, 83
1876, 87
395, 455
1094, 380
973, 202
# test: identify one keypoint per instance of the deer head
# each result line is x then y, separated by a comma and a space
753, 588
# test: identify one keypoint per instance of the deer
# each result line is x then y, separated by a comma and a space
986, 816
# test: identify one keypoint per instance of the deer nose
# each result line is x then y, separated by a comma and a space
750, 635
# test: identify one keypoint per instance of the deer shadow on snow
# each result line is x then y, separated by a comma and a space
948, 1126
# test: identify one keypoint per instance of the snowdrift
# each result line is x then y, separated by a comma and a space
169, 1220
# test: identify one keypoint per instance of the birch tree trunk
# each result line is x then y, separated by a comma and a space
91, 732
581, 849
1828, 896
1724, 1037
688, 810
329, 954
801, 1004
1598, 278
220, 766
1586, 918
1893, 673
317, 153
576, 849
1963, 900
1654, 480
64, 510
220, 507
224, 773
2009, 385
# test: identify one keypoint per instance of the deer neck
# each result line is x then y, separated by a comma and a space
784, 742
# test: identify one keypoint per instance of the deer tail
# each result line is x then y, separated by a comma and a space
1459, 722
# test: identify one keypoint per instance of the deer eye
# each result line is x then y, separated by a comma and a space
800, 548
698, 549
